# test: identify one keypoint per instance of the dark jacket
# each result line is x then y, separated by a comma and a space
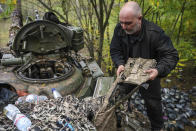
150, 43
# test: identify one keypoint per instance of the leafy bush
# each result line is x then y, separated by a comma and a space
10, 5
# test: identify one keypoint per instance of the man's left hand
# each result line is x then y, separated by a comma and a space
153, 73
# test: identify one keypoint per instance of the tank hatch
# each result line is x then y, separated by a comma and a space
41, 37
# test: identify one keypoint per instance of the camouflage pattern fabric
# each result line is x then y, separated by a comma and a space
134, 73
135, 70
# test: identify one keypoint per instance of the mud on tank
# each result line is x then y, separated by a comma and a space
43, 55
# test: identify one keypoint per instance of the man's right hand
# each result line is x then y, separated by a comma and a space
120, 69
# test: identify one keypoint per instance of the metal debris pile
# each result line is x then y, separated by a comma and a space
176, 108
79, 113
48, 114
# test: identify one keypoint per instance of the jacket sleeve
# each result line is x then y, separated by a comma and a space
116, 50
167, 55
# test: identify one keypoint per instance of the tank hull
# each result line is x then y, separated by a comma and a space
68, 86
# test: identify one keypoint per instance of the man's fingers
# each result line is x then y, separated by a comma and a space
148, 71
153, 73
120, 69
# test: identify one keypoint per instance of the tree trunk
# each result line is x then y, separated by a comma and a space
102, 12
19, 10
101, 38
101, 31
173, 28
181, 22
16, 24
117, 20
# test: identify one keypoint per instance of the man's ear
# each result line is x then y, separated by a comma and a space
140, 17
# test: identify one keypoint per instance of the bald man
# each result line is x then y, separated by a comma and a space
136, 37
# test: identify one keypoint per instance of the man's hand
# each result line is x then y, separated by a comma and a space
153, 73
120, 69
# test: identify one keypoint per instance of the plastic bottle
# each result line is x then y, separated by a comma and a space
10, 111
56, 94
33, 98
20, 120
20, 100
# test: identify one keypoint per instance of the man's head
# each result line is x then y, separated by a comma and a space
130, 17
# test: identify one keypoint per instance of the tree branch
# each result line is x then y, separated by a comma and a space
50, 9
108, 14
93, 2
147, 11
105, 7
77, 13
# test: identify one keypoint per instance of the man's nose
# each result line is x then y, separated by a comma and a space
123, 26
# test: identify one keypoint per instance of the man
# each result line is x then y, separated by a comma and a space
136, 37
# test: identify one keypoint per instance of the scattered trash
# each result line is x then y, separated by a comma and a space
20, 100
10, 111
31, 98
46, 114
6, 94
70, 113
20, 120
7, 97
56, 94
22, 93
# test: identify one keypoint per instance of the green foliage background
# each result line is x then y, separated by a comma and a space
10, 5
176, 17
167, 12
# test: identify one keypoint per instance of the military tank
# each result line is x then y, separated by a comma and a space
43, 55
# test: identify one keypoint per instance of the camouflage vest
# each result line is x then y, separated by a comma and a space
135, 70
